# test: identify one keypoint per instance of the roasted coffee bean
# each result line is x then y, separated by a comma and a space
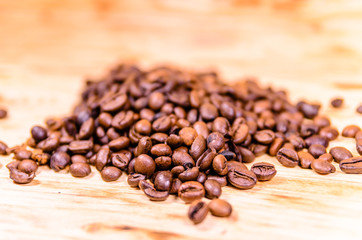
143, 127
144, 146
181, 158
359, 109
215, 141
18, 176
39, 156
337, 102
359, 146
322, 167
275, 146
229, 155
114, 103
322, 121
221, 125
305, 159
39, 133
51, 143
78, 159
222, 180
79, 169
162, 124
242, 178
22, 154
263, 171
188, 135
161, 150
198, 211
288, 157
144, 164
120, 160
87, 129
351, 165
3, 148
102, 158
350, 131
59, 160
205, 160
3, 113
231, 165
264, 136
201, 129
208, 111
198, 147
110, 174
80, 147
163, 162
134, 179
258, 149
316, 150
123, 120
27, 166
297, 142
316, 139
176, 183
219, 165
163, 181
105, 120
340, 153
189, 174
220, 208
212, 189
329, 133
227, 110
308, 129
309, 110
191, 191
156, 100
119, 143
247, 155
151, 192
201, 178
326, 157
240, 131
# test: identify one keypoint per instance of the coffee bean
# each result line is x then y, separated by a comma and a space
105, 120
208, 111
305, 159
351, 165
3, 113
188, 135
264, 136
191, 191
189, 174
308, 129
247, 155
219, 165
242, 178
350, 131
163, 181
102, 158
329, 133
322, 166
297, 141
316, 139
201, 178
80, 147
119, 143
134, 179
144, 146
143, 127
263, 171
215, 140
358, 135
340, 153
205, 160
201, 129
22, 154
359, 146
3, 148
79, 169
18, 176
181, 158
240, 131
326, 157
221, 125
316, 150
156, 100
114, 103
258, 149
123, 120
59, 160
144, 164
309, 110
212, 189
78, 159
337, 102
39, 133
275, 146
151, 192
27, 166
176, 183
87, 129
227, 110
51, 143
162, 124
110, 174
198, 211
359, 109
220, 208
198, 147
288, 157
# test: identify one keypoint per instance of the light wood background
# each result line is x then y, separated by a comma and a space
312, 48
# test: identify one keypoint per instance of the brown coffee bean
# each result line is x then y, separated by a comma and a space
3, 113
110, 174
150, 191
51, 143
208, 111
240, 131
258, 149
114, 103
205, 160
275, 146
191, 191
220, 208
123, 120
201, 178
147, 114
263, 171
351, 165
330, 133
105, 120
219, 165
316, 150
235, 165
264, 136
308, 110
247, 155
27, 166
3, 148
322, 121
198, 147
162, 124
161, 150
221, 125
188, 135
78, 159
297, 142
337, 102
80, 147
59, 160
79, 169
18, 176
120, 160
87, 129
163, 181
39, 133
305, 159
143, 127
216, 141
190, 174
198, 211
102, 158
316, 139
176, 183
322, 166
288, 157
308, 129
119, 143
340, 153
212, 189
144, 146
144, 164
134, 179
201, 129
358, 135
350, 131
222, 180
242, 178
156, 100
22, 154
181, 158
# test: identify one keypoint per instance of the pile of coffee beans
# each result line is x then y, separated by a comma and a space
183, 133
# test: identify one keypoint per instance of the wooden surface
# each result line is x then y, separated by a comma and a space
312, 48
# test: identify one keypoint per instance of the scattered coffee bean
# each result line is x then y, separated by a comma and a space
340, 153
3, 148
110, 174
351, 165
337, 102
220, 208
151, 192
316, 150
305, 159
242, 178
79, 169
59, 161
198, 211
212, 189
350, 131
288, 157
191, 191
144, 164
27, 166
263, 171
322, 166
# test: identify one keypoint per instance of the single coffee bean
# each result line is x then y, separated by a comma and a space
176, 183
351, 165
275, 146
190, 174
198, 147
150, 191
264, 136
322, 166
27, 166
105, 120
201, 129
208, 111
221, 125
188, 135
316, 150
119, 143
305, 159
143, 127
39, 133
205, 160
3, 113
358, 135
350, 131
3, 148
288, 157
359, 109
308, 110
50, 143
78, 159
263, 171
198, 211
163, 162
114, 103
161, 150
181, 158
144, 164
156, 100
102, 158
162, 124
201, 178
174, 141
87, 129
326, 157
159, 138
79, 169
220, 208
258, 149
240, 131
144, 146
134, 179
242, 178
321, 121
59, 160
215, 141
219, 165
229, 155
330, 133
337, 102
110, 174
191, 191
22, 154
120, 160
212, 189
247, 155
163, 181
147, 114
296, 141
340, 153
18, 176
123, 120
308, 129
316, 139
80, 147
227, 110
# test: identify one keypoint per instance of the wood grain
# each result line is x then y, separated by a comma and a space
311, 48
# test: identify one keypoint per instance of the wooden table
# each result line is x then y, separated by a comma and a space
311, 48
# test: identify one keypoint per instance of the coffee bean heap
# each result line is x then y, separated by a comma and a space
183, 133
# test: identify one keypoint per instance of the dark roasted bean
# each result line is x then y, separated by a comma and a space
316, 139
330, 133
18, 176
80, 147
275, 146
119, 143
181, 158
134, 179
205, 160
176, 183
201, 129
219, 165
27, 166
162, 124
123, 120
288, 157
87, 129
198, 147
144, 146
102, 158
39, 133
198, 211
264, 136
114, 103
208, 111
220, 208
105, 120
215, 141
78, 159
163, 181
263, 171
189, 174
242, 178
359, 146
22, 154
351, 165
